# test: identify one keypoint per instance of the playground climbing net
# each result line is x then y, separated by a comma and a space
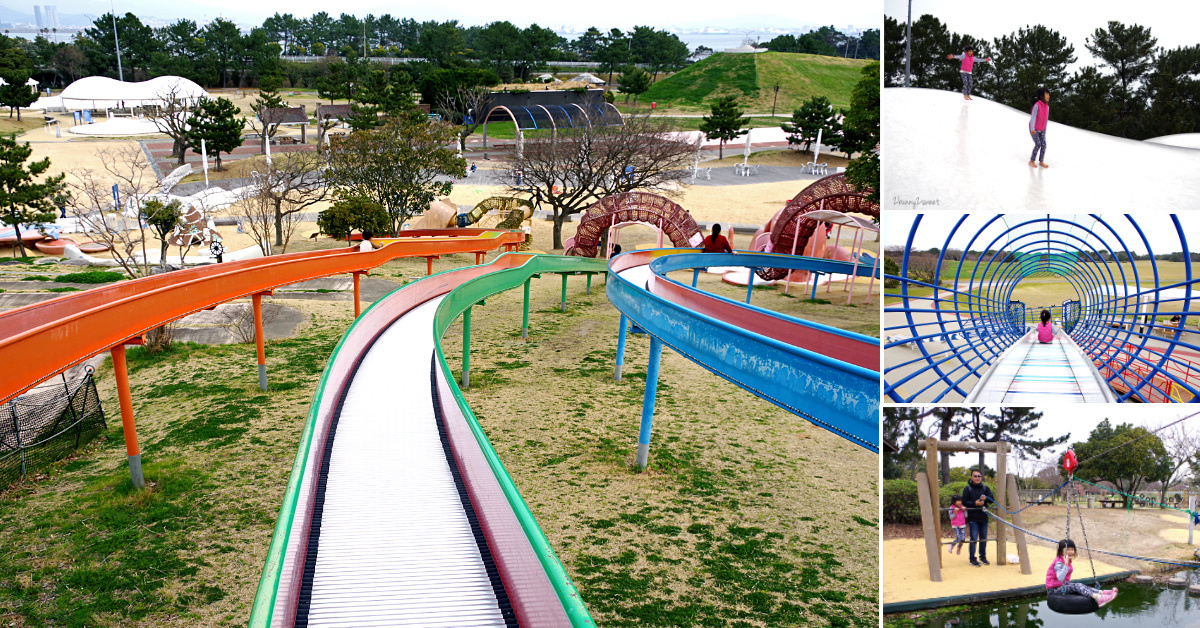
42, 426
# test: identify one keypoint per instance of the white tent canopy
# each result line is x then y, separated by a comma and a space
100, 92
30, 82
587, 77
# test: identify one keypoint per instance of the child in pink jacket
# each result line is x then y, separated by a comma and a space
1045, 329
958, 521
968, 64
1038, 119
1058, 577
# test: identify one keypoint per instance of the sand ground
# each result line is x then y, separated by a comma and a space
906, 575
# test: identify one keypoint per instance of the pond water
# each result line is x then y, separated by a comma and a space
1143, 606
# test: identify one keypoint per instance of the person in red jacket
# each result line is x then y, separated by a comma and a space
716, 243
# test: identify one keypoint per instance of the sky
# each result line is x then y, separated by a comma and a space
1156, 226
553, 14
1173, 23
1058, 420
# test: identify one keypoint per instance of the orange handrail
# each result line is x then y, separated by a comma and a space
40, 340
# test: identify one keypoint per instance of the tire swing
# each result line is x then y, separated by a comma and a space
1069, 603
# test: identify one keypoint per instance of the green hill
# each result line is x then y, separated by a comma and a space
752, 77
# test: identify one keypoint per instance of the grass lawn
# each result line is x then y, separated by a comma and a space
747, 515
28, 122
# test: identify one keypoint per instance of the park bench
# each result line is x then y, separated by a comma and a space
815, 168
701, 172
1111, 503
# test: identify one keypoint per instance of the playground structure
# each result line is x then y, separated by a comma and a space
1006, 493
553, 117
785, 360
1115, 339
960, 154
620, 210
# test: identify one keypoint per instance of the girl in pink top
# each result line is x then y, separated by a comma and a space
1038, 119
968, 64
958, 521
1045, 329
1058, 577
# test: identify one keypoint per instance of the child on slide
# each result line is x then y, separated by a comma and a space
1058, 577
1045, 329
968, 64
958, 521
1038, 119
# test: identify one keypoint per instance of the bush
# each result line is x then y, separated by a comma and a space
90, 276
900, 503
351, 214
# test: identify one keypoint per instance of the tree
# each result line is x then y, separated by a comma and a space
581, 165
290, 185
466, 107
118, 227
217, 123
378, 94
1089, 102
1173, 94
1012, 425
16, 93
268, 98
817, 114
171, 118
353, 213
1126, 456
396, 165
1129, 51
23, 200
902, 429
724, 123
1182, 444
613, 52
1022, 62
948, 422
162, 218
861, 133
634, 80
138, 46
588, 43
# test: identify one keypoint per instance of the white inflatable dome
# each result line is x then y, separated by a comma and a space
101, 92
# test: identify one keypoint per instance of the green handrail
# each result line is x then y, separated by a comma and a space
454, 304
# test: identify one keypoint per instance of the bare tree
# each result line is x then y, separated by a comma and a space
466, 104
118, 226
293, 183
170, 117
578, 166
1183, 448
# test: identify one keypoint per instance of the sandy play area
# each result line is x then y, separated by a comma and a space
906, 576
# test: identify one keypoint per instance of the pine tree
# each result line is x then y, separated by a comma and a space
23, 201
815, 115
725, 123
861, 129
217, 123
634, 80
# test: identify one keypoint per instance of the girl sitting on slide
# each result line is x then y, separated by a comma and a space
1045, 329
1058, 577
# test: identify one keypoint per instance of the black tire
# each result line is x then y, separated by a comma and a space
1071, 604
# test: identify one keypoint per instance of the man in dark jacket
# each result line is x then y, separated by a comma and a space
975, 497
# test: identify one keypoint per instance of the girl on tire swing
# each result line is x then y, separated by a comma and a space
1058, 577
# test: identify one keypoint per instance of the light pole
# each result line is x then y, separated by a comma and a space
908, 47
116, 42
775, 98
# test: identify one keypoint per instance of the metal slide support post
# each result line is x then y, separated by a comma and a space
564, 292
816, 278
643, 451
132, 452
357, 307
466, 375
695, 276
258, 341
621, 346
750, 285
589, 283
525, 312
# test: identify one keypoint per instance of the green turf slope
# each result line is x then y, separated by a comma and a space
752, 77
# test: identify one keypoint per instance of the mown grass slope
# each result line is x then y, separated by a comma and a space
752, 77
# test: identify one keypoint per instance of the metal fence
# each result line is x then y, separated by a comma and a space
45, 425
